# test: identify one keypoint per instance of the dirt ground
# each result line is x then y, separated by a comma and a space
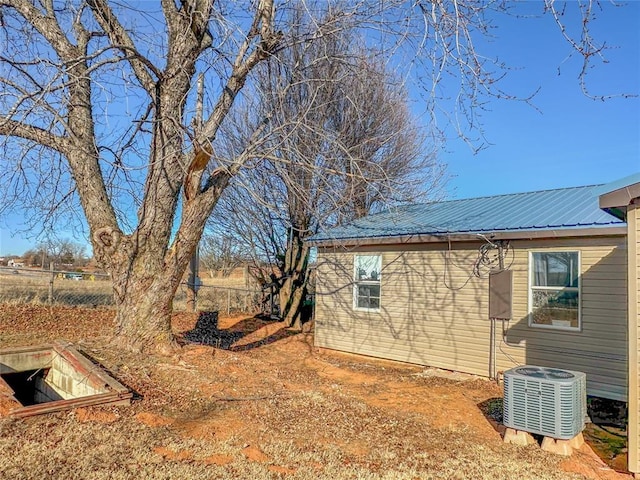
261, 402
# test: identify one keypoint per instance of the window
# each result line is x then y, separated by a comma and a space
366, 291
554, 296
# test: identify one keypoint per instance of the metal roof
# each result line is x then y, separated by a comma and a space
618, 184
560, 209
616, 196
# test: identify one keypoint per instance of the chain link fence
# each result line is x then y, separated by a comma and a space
221, 299
53, 287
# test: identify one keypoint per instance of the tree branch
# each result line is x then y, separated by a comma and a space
14, 128
242, 66
170, 11
46, 25
121, 39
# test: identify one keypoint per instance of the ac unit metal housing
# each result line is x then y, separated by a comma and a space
545, 401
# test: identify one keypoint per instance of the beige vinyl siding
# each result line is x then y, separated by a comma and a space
421, 320
599, 348
633, 223
434, 311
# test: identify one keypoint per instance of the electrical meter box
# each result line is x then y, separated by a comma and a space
500, 294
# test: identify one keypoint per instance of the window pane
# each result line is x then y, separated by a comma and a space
368, 267
372, 303
558, 308
368, 296
557, 269
369, 291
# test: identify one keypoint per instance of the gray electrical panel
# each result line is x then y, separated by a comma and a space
500, 293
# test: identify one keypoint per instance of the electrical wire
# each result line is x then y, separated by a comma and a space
447, 261
491, 256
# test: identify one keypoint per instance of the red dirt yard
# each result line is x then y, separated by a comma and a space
262, 402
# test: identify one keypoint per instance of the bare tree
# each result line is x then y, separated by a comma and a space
52, 89
61, 251
97, 109
340, 143
221, 252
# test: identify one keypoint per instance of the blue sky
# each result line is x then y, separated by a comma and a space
570, 140
573, 140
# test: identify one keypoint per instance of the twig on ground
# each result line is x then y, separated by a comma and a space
246, 399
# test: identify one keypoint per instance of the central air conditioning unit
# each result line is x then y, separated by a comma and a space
545, 401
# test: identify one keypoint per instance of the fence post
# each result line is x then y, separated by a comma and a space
192, 286
228, 301
51, 283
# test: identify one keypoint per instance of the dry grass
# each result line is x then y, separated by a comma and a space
32, 287
268, 406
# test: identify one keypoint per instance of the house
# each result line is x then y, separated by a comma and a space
13, 264
484, 284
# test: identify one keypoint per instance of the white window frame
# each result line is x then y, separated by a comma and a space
533, 287
357, 283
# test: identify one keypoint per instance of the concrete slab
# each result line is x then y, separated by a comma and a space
518, 437
577, 441
559, 447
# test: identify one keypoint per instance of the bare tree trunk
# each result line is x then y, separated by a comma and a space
143, 318
294, 287
146, 277
144, 286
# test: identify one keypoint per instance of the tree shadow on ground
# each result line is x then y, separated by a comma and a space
247, 334
492, 410
605, 434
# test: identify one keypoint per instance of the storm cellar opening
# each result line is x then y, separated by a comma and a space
49, 378
30, 387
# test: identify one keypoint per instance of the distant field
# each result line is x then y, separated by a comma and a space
34, 286
223, 281
226, 298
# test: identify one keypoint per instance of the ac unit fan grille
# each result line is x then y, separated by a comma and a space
546, 373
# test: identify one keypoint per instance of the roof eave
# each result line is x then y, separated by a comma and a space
474, 236
616, 202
